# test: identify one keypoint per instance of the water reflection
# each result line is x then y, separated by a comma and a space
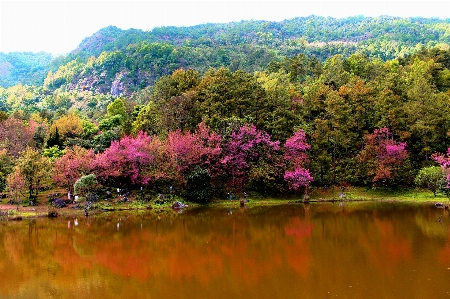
370, 250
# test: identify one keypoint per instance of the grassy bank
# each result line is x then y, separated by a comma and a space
353, 194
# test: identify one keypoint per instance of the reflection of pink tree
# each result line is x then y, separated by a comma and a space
295, 149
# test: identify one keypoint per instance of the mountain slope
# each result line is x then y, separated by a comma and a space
24, 67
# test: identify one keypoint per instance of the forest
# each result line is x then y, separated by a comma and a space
273, 108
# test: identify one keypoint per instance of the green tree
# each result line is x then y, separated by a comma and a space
431, 178
86, 185
117, 107
53, 153
35, 170
5, 168
223, 94
199, 187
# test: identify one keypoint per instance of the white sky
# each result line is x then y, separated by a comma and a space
58, 27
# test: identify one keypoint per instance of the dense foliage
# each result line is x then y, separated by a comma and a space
138, 112
24, 67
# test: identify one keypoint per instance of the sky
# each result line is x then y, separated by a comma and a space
58, 27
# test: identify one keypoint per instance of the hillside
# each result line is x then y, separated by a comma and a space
140, 57
124, 61
24, 68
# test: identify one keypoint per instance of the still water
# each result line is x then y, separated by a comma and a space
364, 250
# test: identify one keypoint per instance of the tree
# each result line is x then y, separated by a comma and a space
54, 139
297, 177
382, 155
69, 126
53, 153
85, 185
34, 168
71, 166
6, 166
223, 94
148, 120
444, 161
431, 178
245, 149
15, 136
125, 161
199, 185
16, 185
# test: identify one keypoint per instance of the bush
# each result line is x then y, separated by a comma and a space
199, 185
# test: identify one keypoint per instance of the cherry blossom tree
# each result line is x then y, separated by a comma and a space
444, 161
15, 136
245, 150
124, 161
382, 155
75, 163
16, 185
191, 149
297, 177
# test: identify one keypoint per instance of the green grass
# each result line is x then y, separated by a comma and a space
254, 199
359, 193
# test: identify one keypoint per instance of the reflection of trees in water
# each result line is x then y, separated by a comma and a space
245, 248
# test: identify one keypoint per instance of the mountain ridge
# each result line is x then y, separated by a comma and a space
225, 44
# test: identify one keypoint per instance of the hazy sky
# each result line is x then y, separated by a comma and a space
59, 26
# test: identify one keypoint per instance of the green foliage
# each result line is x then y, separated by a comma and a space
103, 141
89, 129
431, 178
117, 107
111, 122
23, 67
85, 185
35, 170
53, 153
6, 168
199, 186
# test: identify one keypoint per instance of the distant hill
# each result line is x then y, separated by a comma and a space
24, 67
312, 31
134, 58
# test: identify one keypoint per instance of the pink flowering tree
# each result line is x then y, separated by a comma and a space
249, 156
74, 163
297, 177
444, 161
189, 150
15, 136
125, 161
382, 156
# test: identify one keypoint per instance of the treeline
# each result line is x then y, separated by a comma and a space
396, 36
363, 121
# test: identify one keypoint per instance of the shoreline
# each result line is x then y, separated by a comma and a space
9, 212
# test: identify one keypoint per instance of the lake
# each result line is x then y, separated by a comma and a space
320, 250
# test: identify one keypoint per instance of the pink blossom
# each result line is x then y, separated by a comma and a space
298, 178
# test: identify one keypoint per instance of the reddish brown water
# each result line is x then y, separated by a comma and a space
369, 250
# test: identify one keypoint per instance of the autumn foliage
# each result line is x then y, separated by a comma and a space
382, 155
